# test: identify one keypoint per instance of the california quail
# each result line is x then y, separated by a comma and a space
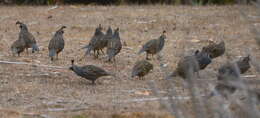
56, 44
153, 46
18, 46
107, 37
141, 68
243, 64
95, 43
203, 59
114, 45
89, 72
228, 71
215, 50
255, 93
28, 38
223, 90
186, 67
228, 76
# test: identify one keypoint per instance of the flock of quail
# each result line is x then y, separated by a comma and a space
186, 67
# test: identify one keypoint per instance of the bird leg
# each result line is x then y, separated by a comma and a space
94, 53
57, 57
147, 56
198, 74
27, 52
114, 59
152, 57
102, 51
93, 82
97, 53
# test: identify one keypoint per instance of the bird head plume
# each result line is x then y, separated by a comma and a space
72, 64
116, 33
163, 36
109, 30
100, 27
22, 26
246, 59
61, 31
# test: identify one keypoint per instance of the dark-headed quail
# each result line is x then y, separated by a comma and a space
141, 68
89, 72
153, 46
203, 59
57, 43
114, 45
28, 38
215, 50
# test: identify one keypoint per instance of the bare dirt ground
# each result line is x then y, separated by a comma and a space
26, 89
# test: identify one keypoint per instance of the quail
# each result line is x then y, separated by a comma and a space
57, 43
243, 64
28, 38
95, 43
108, 36
114, 46
186, 67
203, 59
153, 46
215, 50
18, 47
141, 68
89, 72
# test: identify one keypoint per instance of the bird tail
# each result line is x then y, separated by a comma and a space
133, 75
87, 46
35, 48
141, 51
112, 74
14, 50
111, 54
174, 74
52, 53
88, 50
210, 95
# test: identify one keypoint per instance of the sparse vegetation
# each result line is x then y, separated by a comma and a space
119, 2
30, 89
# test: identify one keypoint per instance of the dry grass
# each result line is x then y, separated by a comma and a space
34, 89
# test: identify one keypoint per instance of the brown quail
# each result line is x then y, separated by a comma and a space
28, 38
57, 43
141, 68
186, 67
18, 47
153, 46
215, 50
243, 64
95, 43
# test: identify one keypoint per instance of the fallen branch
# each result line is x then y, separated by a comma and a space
66, 109
24, 63
154, 99
52, 8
